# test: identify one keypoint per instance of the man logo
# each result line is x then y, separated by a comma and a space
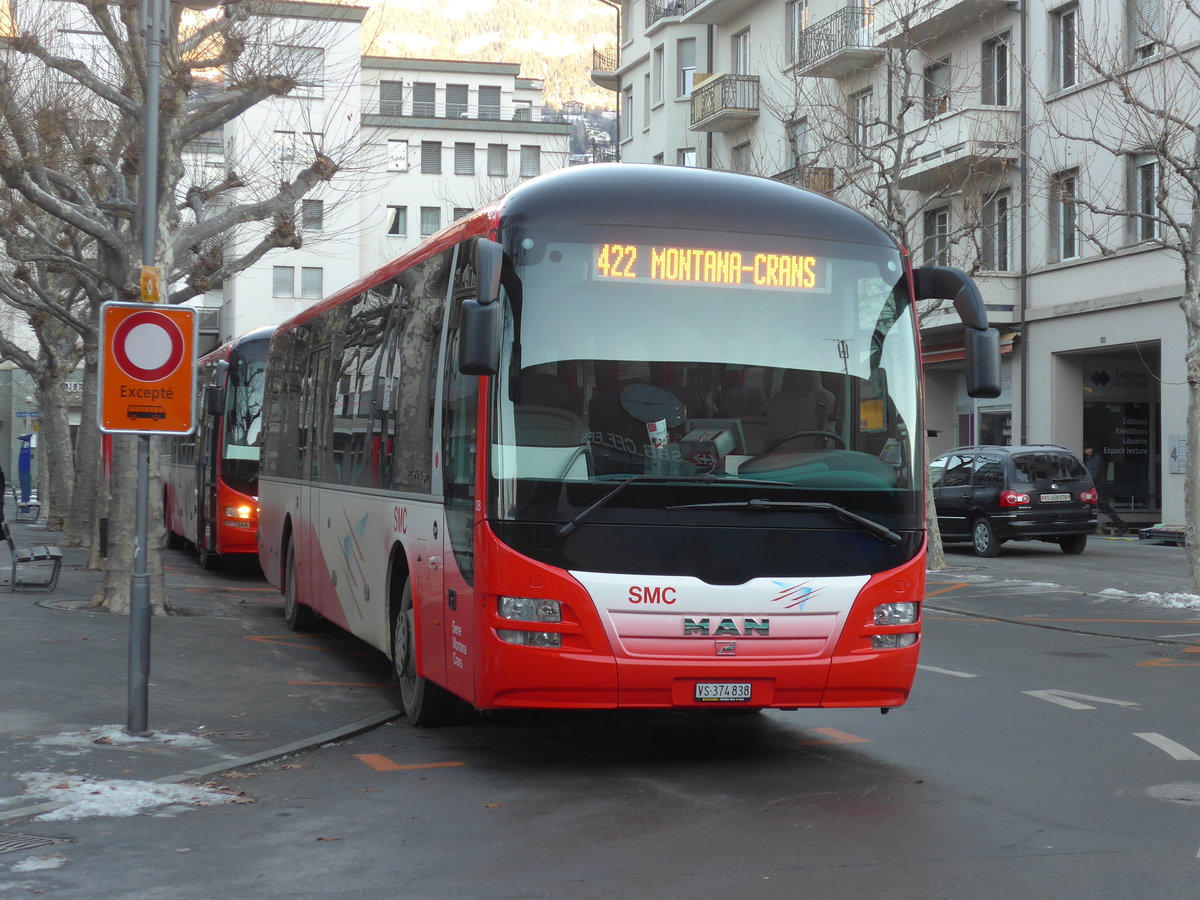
727, 627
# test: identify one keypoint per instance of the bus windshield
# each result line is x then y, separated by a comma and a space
780, 366
243, 417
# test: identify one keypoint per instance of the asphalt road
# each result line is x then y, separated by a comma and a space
1043, 754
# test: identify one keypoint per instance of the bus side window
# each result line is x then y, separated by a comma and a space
459, 444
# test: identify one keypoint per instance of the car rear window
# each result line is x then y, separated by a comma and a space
1040, 466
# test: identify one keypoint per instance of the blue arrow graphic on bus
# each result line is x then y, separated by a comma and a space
793, 596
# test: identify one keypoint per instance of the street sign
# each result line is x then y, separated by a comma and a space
147, 368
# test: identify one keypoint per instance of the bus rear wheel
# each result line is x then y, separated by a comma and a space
298, 616
425, 703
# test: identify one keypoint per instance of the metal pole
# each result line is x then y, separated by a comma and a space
154, 15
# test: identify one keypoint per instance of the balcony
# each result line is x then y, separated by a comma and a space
605, 63
933, 19
973, 141
448, 115
838, 45
817, 179
714, 12
723, 102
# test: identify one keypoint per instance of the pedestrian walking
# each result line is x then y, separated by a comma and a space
1097, 467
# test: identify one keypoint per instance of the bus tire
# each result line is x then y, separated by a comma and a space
425, 703
208, 559
297, 616
174, 541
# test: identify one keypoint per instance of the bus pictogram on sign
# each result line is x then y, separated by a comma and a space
147, 368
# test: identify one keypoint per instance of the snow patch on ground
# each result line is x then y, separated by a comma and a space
83, 797
33, 863
74, 743
1168, 601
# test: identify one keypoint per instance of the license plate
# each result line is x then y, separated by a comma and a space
722, 693
1055, 498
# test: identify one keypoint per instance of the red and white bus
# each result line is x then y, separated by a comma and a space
630, 437
210, 477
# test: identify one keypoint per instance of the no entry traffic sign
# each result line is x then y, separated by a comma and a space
147, 368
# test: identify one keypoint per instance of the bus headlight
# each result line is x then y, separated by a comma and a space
239, 512
896, 613
893, 641
530, 638
523, 609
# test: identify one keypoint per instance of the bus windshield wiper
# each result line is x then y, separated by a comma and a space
708, 478
880, 531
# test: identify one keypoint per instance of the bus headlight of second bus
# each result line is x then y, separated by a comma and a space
240, 516
903, 613
525, 609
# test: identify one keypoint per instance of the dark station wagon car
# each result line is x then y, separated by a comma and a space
989, 494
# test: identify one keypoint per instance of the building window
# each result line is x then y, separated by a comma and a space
531, 160
1145, 27
937, 237
456, 101
431, 220
424, 99
431, 157
464, 159
627, 111
994, 254
861, 111
658, 159
686, 156
312, 215
1145, 197
307, 65
461, 212
1063, 225
742, 158
312, 283
1065, 23
285, 147
391, 98
498, 160
489, 102
995, 71
797, 21
645, 101
937, 87
283, 281
397, 156
685, 53
657, 71
797, 137
740, 53
397, 221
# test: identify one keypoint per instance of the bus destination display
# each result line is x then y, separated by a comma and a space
696, 265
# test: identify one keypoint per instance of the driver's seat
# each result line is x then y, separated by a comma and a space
801, 404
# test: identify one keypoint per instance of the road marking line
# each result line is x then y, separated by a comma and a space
1062, 699
1108, 621
951, 587
836, 737
1168, 746
1165, 661
381, 763
337, 683
947, 672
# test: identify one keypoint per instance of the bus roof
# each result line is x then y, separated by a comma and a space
639, 194
262, 333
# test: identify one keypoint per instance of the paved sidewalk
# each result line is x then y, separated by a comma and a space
229, 683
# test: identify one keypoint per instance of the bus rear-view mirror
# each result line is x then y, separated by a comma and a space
981, 344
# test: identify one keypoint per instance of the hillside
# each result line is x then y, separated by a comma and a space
550, 39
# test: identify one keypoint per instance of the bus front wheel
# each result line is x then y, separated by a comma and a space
298, 616
425, 703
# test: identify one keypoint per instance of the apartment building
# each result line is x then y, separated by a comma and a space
985, 134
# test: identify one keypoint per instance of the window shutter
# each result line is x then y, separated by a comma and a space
431, 157
391, 98
464, 159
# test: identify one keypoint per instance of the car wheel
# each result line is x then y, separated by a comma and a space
1073, 544
983, 536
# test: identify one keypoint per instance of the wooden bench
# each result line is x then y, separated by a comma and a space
43, 559
27, 510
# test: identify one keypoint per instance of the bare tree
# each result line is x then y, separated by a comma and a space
72, 99
1135, 129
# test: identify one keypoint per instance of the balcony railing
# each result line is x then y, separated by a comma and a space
450, 111
602, 153
606, 59
724, 102
850, 30
812, 178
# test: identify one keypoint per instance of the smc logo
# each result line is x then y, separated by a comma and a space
646, 594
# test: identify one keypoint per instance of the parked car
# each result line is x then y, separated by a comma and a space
989, 494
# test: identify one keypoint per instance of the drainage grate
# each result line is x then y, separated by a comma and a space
10, 843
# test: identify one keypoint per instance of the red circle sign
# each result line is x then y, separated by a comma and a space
148, 346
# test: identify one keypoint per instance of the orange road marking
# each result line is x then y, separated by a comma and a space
952, 587
208, 589
835, 737
1109, 621
381, 763
1163, 661
338, 683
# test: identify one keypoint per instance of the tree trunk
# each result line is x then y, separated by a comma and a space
87, 500
56, 472
122, 533
1190, 301
935, 558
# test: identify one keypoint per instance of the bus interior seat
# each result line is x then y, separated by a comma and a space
543, 418
749, 405
800, 404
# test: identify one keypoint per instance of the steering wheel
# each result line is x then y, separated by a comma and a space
799, 434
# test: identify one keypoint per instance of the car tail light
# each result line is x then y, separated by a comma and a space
1013, 498
1091, 495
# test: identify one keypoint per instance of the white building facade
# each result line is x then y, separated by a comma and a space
985, 135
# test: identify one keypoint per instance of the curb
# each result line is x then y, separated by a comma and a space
15, 816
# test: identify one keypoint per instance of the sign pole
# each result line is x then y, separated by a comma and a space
154, 23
